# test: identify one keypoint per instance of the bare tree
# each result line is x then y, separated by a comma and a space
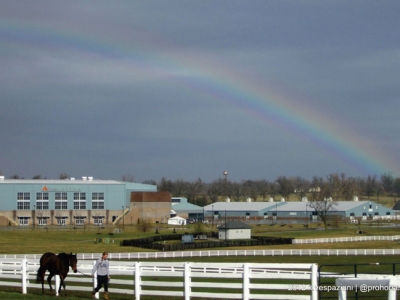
262, 186
337, 185
285, 186
194, 189
165, 185
321, 200
128, 178
370, 187
353, 188
63, 176
397, 186
144, 224
387, 180
301, 187
237, 192
214, 190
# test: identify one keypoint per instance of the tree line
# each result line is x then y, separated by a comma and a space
334, 186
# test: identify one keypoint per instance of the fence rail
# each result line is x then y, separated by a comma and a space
177, 279
189, 254
347, 239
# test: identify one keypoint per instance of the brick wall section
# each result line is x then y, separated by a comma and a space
152, 206
151, 197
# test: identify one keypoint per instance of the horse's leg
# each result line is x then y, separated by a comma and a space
49, 281
62, 284
41, 275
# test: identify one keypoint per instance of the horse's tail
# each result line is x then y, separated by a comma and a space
38, 276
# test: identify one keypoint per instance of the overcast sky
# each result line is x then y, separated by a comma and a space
188, 89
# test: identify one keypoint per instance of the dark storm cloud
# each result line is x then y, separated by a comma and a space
142, 87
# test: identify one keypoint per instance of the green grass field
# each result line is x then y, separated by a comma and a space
82, 240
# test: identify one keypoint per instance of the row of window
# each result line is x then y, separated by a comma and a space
60, 221
59, 196
58, 205
61, 201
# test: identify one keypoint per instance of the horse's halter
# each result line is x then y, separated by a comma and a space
70, 264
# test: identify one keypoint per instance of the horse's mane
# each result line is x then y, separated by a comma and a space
63, 254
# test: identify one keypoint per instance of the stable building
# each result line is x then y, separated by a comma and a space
184, 209
80, 202
234, 230
224, 211
352, 210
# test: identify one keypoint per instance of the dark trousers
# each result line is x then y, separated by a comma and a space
102, 280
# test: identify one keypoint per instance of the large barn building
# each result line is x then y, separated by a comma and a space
275, 211
80, 202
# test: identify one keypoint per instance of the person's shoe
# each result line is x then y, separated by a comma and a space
93, 294
106, 296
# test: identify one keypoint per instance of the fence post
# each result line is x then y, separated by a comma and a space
137, 281
96, 296
246, 282
57, 283
24, 276
187, 281
314, 282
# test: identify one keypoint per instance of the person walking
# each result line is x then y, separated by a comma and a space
102, 268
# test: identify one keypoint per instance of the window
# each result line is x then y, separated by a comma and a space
42, 196
42, 221
79, 205
23, 196
98, 200
61, 201
98, 205
80, 221
79, 200
79, 196
42, 205
61, 205
23, 221
97, 196
23, 205
388, 213
61, 221
23, 201
42, 201
98, 221
61, 196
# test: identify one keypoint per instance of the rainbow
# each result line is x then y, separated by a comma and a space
270, 104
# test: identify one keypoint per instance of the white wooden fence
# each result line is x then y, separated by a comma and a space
347, 239
180, 280
189, 254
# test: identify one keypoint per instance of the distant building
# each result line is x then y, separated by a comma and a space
80, 202
234, 230
364, 210
218, 211
274, 211
185, 209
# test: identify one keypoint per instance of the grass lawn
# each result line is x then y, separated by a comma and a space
83, 240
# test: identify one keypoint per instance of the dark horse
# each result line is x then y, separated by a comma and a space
56, 265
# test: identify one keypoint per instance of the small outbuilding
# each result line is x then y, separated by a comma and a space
234, 230
177, 221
